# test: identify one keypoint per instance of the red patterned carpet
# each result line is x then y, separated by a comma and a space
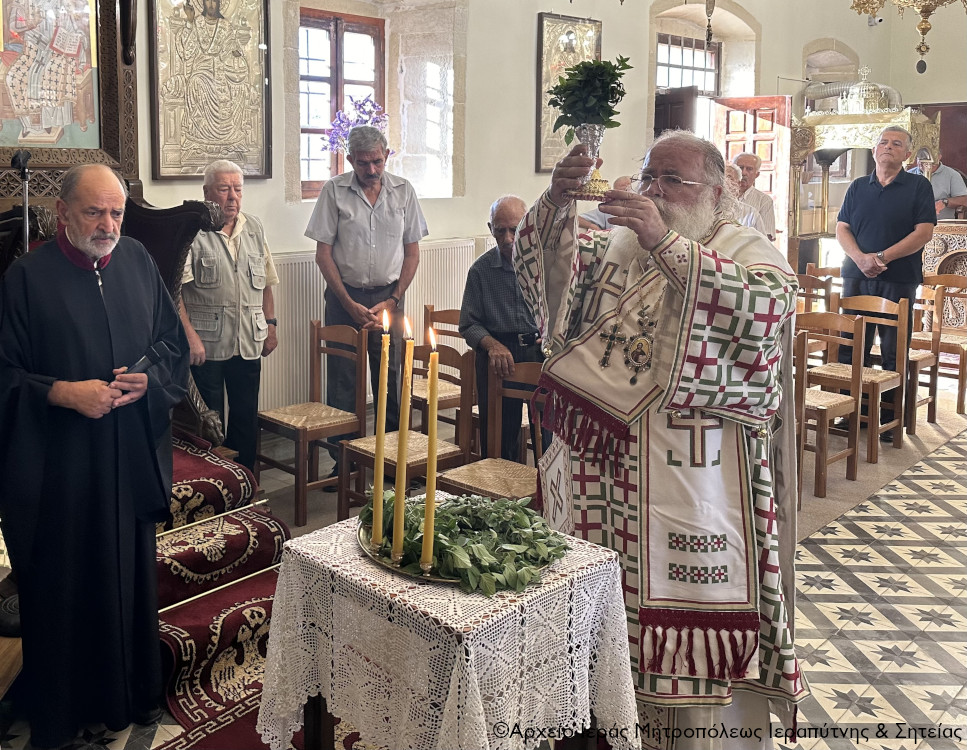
211, 553
203, 483
217, 647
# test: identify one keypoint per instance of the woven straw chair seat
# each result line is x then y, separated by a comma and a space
951, 339
914, 355
446, 391
311, 416
524, 419
494, 477
827, 400
417, 447
844, 373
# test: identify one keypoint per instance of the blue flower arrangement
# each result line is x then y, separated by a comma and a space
363, 112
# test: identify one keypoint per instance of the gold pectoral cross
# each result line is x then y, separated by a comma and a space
611, 337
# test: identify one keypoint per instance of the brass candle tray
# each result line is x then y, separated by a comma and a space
364, 536
471, 516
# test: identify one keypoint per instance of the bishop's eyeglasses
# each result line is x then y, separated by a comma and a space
670, 184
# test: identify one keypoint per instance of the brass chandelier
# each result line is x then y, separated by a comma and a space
925, 8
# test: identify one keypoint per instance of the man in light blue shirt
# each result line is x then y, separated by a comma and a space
367, 225
949, 189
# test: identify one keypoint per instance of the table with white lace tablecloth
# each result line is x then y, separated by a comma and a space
426, 666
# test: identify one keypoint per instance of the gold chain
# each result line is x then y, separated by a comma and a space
638, 348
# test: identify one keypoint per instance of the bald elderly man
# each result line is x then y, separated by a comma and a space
949, 189
497, 324
744, 213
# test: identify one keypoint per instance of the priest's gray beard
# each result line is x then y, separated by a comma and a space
96, 245
692, 222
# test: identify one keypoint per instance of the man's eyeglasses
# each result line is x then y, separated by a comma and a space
668, 183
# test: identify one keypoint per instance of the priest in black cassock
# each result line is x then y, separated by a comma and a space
85, 457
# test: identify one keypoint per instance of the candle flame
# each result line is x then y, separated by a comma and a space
432, 338
385, 321
406, 326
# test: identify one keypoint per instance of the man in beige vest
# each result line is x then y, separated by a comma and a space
228, 310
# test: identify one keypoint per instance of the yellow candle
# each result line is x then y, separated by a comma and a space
426, 560
380, 436
399, 503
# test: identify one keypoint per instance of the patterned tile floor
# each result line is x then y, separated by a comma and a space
881, 628
882, 615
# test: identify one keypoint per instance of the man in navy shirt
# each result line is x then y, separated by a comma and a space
883, 224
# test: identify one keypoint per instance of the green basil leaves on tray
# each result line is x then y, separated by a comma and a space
487, 545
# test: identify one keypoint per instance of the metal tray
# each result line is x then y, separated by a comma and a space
363, 535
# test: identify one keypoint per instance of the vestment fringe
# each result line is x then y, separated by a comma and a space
600, 437
729, 654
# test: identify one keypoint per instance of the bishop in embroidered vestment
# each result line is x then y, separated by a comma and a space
670, 397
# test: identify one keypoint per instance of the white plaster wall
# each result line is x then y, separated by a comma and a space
501, 94
788, 26
738, 71
946, 77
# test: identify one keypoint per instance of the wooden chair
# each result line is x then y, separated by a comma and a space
444, 324
833, 273
457, 370
476, 449
498, 477
924, 362
818, 408
876, 382
953, 331
312, 422
42, 225
814, 293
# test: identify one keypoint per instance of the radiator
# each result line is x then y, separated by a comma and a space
298, 299
439, 282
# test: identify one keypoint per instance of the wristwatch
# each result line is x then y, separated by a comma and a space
945, 202
881, 256
272, 322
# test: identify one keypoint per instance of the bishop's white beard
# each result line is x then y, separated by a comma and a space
624, 243
691, 222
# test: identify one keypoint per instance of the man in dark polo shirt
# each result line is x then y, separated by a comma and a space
496, 322
883, 224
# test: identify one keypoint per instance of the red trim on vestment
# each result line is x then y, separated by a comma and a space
588, 429
75, 256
